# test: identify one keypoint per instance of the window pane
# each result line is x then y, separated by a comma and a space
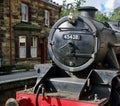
22, 52
46, 17
33, 52
33, 46
22, 46
24, 11
34, 41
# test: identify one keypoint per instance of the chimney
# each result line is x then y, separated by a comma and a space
88, 11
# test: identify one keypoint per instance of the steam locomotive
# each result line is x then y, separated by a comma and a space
85, 70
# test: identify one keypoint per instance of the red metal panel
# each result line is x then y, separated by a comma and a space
29, 100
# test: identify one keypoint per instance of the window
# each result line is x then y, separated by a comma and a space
22, 46
47, 17
24, 12
33, 46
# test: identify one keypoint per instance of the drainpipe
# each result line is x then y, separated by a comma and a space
10, 23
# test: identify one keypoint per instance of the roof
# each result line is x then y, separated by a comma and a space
26, 26
51, 2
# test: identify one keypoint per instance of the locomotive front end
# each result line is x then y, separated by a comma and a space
85, 70
72, 43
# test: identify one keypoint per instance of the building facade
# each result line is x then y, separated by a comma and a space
24, 28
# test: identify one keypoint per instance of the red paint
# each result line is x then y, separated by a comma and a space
23, 101
48, 101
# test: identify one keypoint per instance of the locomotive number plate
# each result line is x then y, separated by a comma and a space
72, 36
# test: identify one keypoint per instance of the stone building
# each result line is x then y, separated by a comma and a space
24, 28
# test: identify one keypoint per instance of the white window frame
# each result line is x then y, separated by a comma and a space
47, 18
24, 12
34, 46
22, 47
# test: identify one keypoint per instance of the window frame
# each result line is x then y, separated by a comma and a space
26, 14
47, 18
32, 46
25, 55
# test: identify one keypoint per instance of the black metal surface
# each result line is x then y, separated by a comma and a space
96, 87
115, 92
104, 76
42, 69
66, 44
80, 44
102, 82
67, 85
88, 11
76, 46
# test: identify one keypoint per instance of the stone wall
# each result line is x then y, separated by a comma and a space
36, 17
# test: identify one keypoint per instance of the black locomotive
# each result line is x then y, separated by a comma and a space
85, 67
85, 63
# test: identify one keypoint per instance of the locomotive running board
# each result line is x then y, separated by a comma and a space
95, 87
60, 90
